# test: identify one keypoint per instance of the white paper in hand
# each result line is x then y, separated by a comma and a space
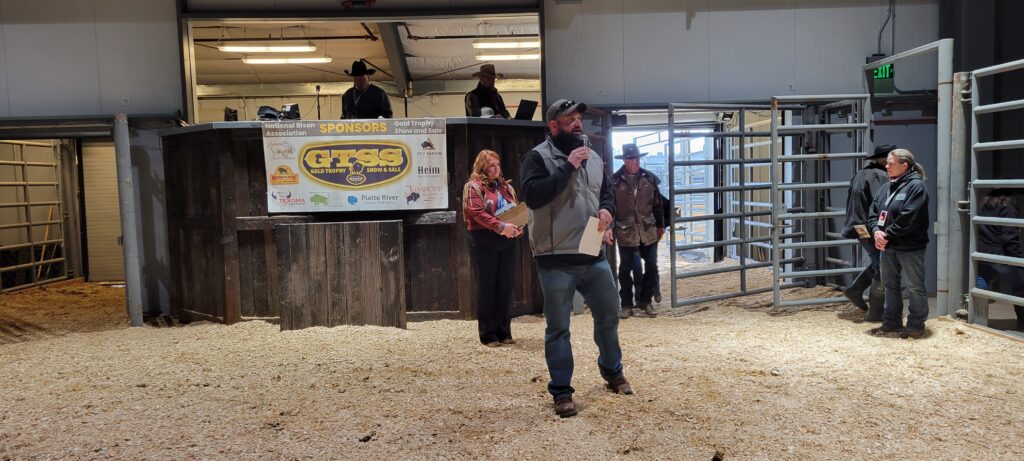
590, 244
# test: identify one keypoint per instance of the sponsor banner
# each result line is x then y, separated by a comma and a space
356, 165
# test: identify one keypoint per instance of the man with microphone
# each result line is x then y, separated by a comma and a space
564, 185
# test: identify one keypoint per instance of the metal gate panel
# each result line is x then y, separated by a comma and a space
683, 191
32, 253
978, 311
784, 217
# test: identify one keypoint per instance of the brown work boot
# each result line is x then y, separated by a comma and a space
876, 302
565, 407
649, 309
620, 386
885, 330
911, 334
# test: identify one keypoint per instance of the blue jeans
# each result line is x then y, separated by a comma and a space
634, 276
874, 255
908, 267
596, 284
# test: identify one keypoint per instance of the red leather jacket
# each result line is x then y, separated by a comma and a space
480, 202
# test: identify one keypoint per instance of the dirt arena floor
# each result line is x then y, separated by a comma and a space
740, 381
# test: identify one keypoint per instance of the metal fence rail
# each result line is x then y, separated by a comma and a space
781, 247
44, 254
741, 213
979, 298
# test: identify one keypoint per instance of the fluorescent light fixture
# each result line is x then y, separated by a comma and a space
318, 60
506, 43
507, 57
267, 48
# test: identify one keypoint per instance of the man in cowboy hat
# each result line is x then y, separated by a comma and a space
639, 225
565, 186
364, 100
485, 95
863, 188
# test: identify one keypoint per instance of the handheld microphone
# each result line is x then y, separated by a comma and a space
586, 143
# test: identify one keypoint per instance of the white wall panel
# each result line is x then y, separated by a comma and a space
751, 49
820, 32
726, 50
89, 57
584, 51
322, 5
51, 57
5, 108
139, 67
661, 32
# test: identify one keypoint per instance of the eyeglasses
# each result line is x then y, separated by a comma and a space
566, 105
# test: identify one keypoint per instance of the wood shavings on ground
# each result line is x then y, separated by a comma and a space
739, 382
59, 308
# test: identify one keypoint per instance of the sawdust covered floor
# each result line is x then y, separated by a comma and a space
60, 308
749, 385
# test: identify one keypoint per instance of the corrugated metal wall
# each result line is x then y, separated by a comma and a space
102, 212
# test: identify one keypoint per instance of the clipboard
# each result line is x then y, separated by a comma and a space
592, 239
518, 215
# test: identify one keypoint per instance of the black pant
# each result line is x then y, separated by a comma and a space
648, 281
494, 262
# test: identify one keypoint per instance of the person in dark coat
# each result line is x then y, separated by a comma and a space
899, 222
364, 100
863, 188
639, 225
484, 100
1003, 241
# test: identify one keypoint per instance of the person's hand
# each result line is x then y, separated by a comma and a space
578, 155
511, 231
608, 237
881, 240
606, 219
661, 233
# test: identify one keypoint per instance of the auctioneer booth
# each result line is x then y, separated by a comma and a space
332, 222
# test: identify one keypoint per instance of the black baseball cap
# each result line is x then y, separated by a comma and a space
564, 107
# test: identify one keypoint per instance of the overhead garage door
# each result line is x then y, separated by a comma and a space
102, 212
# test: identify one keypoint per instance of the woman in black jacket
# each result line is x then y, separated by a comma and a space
899, 223
1003, 241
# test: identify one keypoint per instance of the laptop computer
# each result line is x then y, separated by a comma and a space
526, 109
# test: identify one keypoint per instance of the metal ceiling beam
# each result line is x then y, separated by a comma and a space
419, 88
396, 56
369, 38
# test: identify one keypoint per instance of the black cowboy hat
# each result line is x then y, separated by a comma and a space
359, 69
487, 70
630, 151
883, 150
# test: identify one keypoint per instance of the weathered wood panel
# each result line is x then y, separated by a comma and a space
512, 145
341, 273
217, 221
194, 226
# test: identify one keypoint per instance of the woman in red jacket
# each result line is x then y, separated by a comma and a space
491, 246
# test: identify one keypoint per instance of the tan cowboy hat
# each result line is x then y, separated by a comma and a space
630, 151
487, 70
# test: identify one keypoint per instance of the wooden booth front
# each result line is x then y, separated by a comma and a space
229, 262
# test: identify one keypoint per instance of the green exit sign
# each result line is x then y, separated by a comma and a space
885, 72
